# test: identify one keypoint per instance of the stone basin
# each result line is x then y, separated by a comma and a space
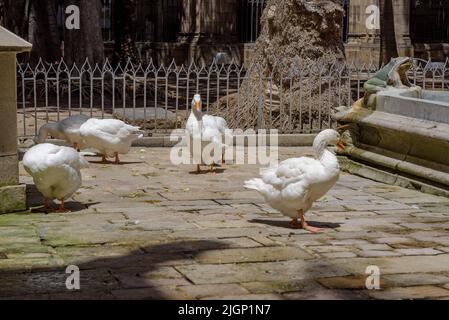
404, 141
419, 104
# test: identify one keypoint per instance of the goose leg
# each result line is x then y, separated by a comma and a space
103, 159
304, 224
117, 160
62, 208
212, 169
198, 169
295, 224
223, 158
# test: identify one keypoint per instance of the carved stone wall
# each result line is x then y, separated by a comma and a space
364, 44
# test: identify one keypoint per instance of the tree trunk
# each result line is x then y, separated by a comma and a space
299, 49
36, 22
388, 46
43, 32
14, 16
86, 42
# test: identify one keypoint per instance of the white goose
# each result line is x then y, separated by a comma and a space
67, 129
207, 128
109, 136
295, 184
55, 171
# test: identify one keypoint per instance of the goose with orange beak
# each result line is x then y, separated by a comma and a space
207, 129
292, 186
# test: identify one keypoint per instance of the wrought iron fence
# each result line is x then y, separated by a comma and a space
158, 97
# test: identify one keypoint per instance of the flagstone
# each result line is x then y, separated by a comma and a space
151, 230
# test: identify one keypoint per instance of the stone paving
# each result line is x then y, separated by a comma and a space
150, 230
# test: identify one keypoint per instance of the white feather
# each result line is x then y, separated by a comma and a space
109, 135
56, 170
207, 128
297, 182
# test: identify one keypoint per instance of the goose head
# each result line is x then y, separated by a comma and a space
197, 107
45, 131
328, 137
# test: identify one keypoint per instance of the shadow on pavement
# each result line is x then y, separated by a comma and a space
137, 275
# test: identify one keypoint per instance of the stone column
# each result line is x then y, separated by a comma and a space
363, 44
12, 194
402, 27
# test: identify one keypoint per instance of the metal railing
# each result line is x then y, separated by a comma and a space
296, 99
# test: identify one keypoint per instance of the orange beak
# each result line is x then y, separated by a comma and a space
340, 145
198, 105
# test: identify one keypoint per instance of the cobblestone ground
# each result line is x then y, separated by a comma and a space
148, 229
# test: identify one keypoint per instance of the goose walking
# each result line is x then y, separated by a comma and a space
295, 184
110, 137
56, 171
67, 129
206, 128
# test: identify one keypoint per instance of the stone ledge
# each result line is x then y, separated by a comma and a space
12, 199
411, 148
377, 174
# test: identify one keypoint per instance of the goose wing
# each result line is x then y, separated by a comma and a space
45, 156
111, 130
291, 171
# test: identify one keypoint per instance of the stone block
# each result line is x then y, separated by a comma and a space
12, 198
418, 292
9, 170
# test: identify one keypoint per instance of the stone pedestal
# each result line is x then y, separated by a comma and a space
12, 194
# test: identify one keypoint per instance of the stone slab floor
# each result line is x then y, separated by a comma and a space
151, 230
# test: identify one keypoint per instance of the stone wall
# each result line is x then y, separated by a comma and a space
364, 45
208, 27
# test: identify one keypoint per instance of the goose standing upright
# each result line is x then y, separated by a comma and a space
210, 129
109, 136
56, 171
295, 184
67, 129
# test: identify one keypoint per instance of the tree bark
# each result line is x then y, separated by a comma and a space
43, 31
36, 22
14, 16
388, 45
300, 40
86, 42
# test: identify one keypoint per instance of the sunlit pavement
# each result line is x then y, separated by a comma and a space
150, 230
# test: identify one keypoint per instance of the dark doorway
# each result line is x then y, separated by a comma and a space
429, 20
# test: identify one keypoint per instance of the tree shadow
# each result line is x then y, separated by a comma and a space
137, 275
